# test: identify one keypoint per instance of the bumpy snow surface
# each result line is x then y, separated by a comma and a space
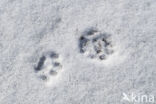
77, 51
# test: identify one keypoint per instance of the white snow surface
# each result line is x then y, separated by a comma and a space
29, 28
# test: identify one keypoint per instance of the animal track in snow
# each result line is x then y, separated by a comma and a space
95, 44
49, 66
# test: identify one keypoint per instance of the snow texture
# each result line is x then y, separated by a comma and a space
76, 51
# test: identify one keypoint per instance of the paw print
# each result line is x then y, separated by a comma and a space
96, 45
49, 66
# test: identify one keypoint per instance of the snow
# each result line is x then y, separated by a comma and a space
30, 28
